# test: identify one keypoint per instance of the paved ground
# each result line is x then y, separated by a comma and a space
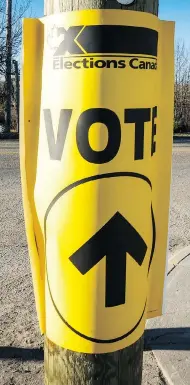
169, 336
21, 357
19, 335
180, 203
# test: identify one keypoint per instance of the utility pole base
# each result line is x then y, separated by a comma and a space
64, 367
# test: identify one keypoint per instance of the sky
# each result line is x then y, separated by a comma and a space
177, 10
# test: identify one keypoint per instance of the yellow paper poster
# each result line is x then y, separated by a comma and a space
96, 145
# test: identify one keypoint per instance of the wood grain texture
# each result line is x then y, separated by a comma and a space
62, 366
56, 6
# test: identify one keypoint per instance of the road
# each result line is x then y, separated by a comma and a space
179, 230
19, 334
21, 356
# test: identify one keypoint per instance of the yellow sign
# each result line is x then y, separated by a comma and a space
96, 145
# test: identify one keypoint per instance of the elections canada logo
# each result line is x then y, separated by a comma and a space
103, 46
54, 37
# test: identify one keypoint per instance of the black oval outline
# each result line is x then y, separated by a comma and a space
64, 191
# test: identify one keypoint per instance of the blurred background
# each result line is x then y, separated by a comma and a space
11, 15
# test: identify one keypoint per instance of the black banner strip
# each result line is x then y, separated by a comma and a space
108, 39
118, 39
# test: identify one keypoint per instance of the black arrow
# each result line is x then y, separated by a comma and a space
116, 238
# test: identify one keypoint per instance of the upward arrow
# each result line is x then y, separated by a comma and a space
116, 238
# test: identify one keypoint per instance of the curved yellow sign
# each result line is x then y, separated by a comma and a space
96, 143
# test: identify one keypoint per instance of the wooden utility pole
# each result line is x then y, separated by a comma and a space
8, 83
65, 367
17, 90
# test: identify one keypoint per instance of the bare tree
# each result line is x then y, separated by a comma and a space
182, 87
19, 10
